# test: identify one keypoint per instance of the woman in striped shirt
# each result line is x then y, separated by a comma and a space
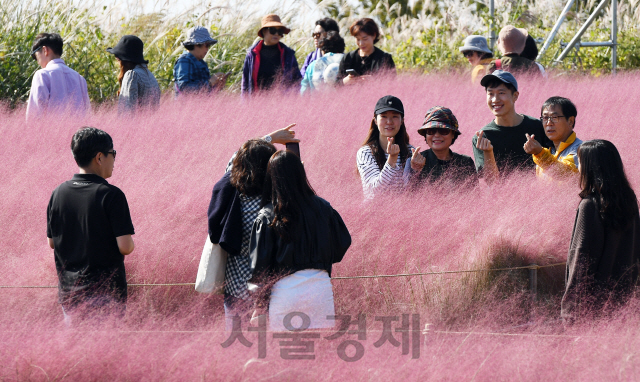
381, 159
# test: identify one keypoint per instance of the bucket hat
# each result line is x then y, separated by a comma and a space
198, 35
439, 117
389, 103
272, 20
512, 39
129, 48
502, 76
475, 43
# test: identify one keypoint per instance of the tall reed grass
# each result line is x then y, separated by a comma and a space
167, 165
426, 42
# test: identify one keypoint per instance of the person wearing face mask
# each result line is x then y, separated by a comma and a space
269, 62
359, 65
438, 163
190, 72
319, 32
381, 159
476, 51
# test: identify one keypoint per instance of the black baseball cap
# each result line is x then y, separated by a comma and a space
389, 103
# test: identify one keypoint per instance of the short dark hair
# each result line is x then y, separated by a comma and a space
189, 47
495, 82
530, 49
249, 167
87, 143
333, 43
568, 108
52, 41
328, 24
367, 26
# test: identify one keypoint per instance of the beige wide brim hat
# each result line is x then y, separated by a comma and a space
512, 39
272, 21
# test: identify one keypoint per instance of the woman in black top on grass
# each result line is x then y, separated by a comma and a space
367, 59
439, 164
295, 240
604, 255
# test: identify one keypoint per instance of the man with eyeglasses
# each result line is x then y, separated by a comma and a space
559, 119
55, 88
507, 133
89, 229
269, 62
190, 72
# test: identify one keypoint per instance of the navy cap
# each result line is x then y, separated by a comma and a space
502, 76
389, 103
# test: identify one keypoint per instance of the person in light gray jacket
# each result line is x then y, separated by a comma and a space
138, 86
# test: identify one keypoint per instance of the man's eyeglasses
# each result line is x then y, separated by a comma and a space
111, 152
33, 53
276, 30
468, 53
440, 130
316, 35
553, 119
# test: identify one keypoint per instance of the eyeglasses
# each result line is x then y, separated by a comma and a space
440, 130
316, 35
276, 30
111, 152
468, 53
553, 119
33, 53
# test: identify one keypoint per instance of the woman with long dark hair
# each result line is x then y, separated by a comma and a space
138, 86
235, 203
381, 159
295, 240
604, 255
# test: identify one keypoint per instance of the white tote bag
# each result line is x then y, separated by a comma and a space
213, 263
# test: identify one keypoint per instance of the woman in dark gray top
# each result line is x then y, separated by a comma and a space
604, 255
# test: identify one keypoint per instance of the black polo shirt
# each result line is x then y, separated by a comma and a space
84, 217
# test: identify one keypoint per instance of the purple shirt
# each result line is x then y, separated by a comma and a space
58, 87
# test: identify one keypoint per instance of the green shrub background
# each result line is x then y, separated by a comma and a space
421, 40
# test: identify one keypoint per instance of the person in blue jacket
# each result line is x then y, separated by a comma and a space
190, 72
269, 62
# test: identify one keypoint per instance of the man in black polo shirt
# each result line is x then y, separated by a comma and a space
508, 131
89, 228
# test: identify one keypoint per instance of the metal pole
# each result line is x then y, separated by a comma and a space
492, 12
614, 36
578, 35
555, 29
533, 280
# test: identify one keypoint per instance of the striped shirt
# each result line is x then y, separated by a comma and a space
376, 181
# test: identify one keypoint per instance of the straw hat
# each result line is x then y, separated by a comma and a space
272, 21
512, 40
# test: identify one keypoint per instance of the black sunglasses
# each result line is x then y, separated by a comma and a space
316, 34
33, 53
276, 30
111, 152
468, 53
440, 130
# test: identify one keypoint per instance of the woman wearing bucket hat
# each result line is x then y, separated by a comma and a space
476, 51
381, 159
440, 131
511, 43
269, 60
190, 72
138, 86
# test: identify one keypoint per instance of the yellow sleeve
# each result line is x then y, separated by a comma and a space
546, 160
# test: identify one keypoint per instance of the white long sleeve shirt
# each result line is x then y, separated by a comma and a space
376, 181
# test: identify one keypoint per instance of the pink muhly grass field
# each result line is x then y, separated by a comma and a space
167, 165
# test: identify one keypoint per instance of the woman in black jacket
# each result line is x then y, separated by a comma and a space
604, 255
295, 240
